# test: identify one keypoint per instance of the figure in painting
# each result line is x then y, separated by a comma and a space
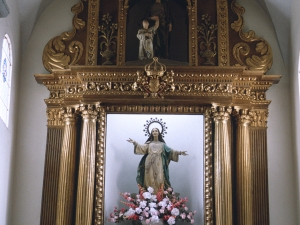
153, 168
161, 39
145, 36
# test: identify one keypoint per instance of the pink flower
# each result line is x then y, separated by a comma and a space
170, 189
112, 220
169, 207
138, 210
183, 215
186, 208
190, 213
192, 221
147, 221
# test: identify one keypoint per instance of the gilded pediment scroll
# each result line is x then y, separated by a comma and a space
60, 53
260, 58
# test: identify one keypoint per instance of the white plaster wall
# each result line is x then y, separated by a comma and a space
295, 93
281, 160
27, 182
9, 25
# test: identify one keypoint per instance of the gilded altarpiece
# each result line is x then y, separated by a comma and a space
213, 67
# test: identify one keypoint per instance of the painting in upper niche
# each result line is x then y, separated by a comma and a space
157, 28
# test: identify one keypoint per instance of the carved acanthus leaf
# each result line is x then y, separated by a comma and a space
264, 56
56, 55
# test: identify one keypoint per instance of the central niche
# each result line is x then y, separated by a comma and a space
170, 41
184, 133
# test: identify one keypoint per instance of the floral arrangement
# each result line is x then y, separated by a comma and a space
152, 208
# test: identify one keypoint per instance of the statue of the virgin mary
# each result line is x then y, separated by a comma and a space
153, 169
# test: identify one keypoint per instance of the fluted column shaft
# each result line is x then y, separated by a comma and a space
51, 175
244, 169
223, 162
258, 138
66, 186
86, 177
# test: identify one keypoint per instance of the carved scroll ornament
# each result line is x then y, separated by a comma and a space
263, 58
56, 54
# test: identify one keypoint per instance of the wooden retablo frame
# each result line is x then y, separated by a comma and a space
91, 74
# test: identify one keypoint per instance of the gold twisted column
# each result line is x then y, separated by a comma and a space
244, 168
66, 185
222, 162
100, 169
258, 139
86, 177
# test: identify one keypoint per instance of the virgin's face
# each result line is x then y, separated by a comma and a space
155, 132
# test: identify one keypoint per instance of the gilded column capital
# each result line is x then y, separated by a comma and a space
259, 117
69, 115
221, 113
243, 116
88, 111
54, 117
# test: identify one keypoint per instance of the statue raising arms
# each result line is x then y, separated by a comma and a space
153, 168
145, 35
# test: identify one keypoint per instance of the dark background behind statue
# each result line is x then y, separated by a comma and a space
178, 37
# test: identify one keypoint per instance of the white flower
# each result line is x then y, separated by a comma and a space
171, 220
162, 210
153, 212
137, 196
143, 204
147, 195
138, 210
162, 204
150, 189
175, 212
154, 219
152, 205
153, 198
169, 206
130, 212
166, 199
